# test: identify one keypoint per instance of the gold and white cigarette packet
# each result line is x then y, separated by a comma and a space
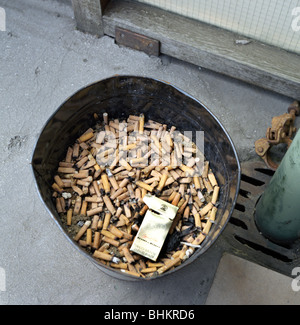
154, 229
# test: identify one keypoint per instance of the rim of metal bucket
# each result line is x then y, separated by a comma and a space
108, 270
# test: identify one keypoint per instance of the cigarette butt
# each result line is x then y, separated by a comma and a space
141, 123
148, 169
109, 204
154, 264
205, 209
110, 241
69, 155
102, 256
69, 217
105, 118
126, 234
105, 153
197, 182
212, 179
93, 199
198, 240
86, 136
134, 161
82, 230
82, 243
117, 193
95, 222
77, 190
207, 185
215, 195
124, 182
205, 169
108, 234
77, 205
81, 162
58, 205
196, 217
58, 181
97, 239
185, 180
138, 193
182, 206
100, 224
148, 270
114, 230
130, 273
83, 208
168, 265
168, 139
125, 164
81, 174
144, 192
144, 185
176, 199
66, 170
128, 147
123, 196
113, 182
119, 265
186, 212
162, 182
75, 150
128, 256
181, 189
105, 183
151, 180
83, 183
100, 137
92, 212
106, 220
56, 188
171, 197
127, 211
89, 237
143, 210
123, 220
65, 164
188, 170
200, 196
131, 191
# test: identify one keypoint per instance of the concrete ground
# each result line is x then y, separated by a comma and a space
44, 60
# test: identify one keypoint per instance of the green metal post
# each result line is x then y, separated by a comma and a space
277, 214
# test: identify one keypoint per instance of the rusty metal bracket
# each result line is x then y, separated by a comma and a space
136, 41
281, 131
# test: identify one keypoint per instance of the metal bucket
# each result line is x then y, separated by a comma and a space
121, 96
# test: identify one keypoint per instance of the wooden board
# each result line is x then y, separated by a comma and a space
208, 46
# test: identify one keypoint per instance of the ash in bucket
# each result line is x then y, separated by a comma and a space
100, 185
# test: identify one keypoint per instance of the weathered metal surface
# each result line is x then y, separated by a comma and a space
136, 41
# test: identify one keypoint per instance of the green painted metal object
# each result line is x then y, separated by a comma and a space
277, 214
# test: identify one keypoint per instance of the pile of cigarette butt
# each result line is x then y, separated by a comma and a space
99, 186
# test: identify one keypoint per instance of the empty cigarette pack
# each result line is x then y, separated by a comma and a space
154, 228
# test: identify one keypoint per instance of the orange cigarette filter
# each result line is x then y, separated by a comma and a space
105, 183
144, 185
69, 217
141, 123
82, 230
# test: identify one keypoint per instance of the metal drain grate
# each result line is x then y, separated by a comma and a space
241, 236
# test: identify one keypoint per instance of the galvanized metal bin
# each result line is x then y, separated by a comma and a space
121, 96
